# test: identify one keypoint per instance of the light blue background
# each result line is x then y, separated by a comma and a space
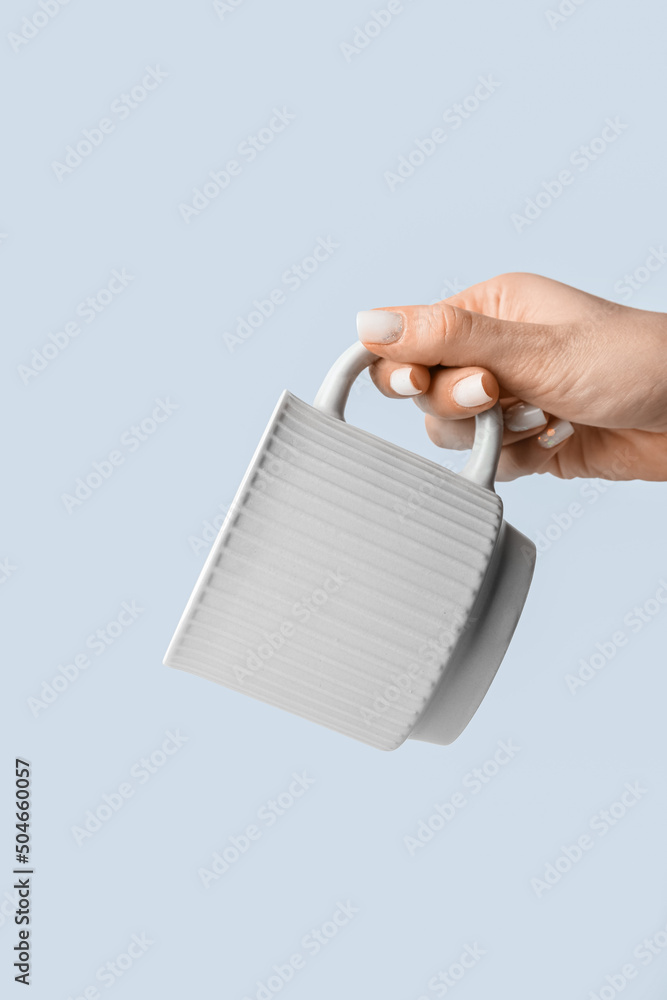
131, 540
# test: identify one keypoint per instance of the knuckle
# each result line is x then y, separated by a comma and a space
430, 326
506, 293
505, 287
503, 283
443, 320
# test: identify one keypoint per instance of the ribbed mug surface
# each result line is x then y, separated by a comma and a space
342, 578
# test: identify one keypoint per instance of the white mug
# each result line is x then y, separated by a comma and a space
355, 583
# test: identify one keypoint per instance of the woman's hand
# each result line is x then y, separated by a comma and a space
582, 381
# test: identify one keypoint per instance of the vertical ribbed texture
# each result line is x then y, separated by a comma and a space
340, 581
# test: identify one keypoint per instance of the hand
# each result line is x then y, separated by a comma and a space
582, 381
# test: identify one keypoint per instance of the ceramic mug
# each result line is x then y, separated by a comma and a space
355, 583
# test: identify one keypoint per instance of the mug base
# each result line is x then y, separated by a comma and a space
480, 651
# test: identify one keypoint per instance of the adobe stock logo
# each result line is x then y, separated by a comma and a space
221, 7
644, 953
130, 441
247, 151
565, 10
600, 824
581, 158
237, 845
112, 802
446, 979
636, 619
111, 971
366, 33
121, 108
454, 117
291, 280
32, 25
474, 782
98, 642
631, 283
7, 569
88, 310
301, 612
311, 944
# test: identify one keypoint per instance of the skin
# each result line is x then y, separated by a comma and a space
599, 365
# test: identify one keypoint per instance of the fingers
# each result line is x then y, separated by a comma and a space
539, 453
523, 453
458, 393
445, 392
443, 334
441, 354
520, 417
589, 453
572, 451
458, 434
399, 381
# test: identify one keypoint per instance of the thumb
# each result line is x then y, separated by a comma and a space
518, 354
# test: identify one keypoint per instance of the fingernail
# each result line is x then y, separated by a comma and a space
559, 431
401, 382
523, 417
470, 391
379, 326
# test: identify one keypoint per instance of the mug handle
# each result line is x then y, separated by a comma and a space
333, 393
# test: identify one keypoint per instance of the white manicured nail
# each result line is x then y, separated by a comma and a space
401, 382
523, 417
470, 391
557, 432
379, 326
